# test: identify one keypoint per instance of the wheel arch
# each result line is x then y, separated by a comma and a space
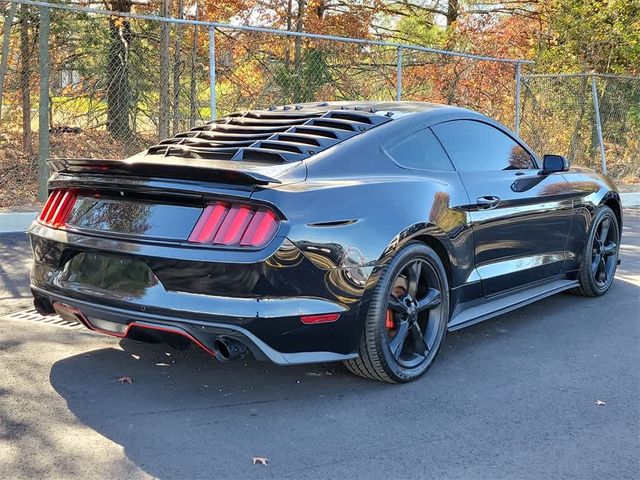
614, 205
429, 235
438, 247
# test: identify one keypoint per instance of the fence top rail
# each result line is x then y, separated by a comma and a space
585, 74
318, 36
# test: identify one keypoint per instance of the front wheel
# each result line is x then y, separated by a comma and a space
601, 254
407, 318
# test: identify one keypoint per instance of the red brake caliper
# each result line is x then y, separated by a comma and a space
389, 321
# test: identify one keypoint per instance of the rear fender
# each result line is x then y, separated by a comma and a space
589, 190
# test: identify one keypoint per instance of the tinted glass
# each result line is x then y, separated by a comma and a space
420, 150
475, 146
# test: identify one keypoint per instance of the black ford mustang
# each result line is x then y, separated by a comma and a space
354, 232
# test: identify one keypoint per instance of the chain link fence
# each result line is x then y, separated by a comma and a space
485, 86
119, 84
259, 69
116, 82
592, 119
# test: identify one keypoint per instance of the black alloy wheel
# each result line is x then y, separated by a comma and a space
407, 319
411, 332
601, 256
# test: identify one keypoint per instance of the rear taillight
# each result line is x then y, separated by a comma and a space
235, 225
57, 208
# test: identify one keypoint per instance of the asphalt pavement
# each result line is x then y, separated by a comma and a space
549, 391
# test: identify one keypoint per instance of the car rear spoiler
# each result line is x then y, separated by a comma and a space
178, 168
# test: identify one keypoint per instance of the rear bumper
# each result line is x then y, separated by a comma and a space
256, 298
203, 334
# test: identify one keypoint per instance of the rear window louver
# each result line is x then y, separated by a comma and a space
278, 135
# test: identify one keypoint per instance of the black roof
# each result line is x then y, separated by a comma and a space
285, 133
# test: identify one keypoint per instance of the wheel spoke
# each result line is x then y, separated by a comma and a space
396, 304
610, 249
595, 263
602, 271
431, 332
414, 271
604, 230
420, 346
397, 341
431, 300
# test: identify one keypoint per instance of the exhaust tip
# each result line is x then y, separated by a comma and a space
229, 349
43, 306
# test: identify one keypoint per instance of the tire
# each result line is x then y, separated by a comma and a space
425, 316
592, 281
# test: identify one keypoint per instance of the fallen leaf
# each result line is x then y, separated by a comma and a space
260, 460
318, 373
600, 402
124, 380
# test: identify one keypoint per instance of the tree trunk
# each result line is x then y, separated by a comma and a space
118, 88
163, 123
25, 84
193, 80
453, 9
4, 56
297, 61
177, 69
287, 51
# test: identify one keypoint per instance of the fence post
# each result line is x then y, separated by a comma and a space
399, 76
517, 99
43, 107
5, 48
596, 108
212, 72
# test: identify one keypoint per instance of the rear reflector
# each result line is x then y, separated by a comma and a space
314, 319
57, 208
235, 225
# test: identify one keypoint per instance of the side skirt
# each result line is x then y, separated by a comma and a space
498, 306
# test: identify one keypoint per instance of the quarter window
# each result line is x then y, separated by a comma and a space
475, 146
420, 150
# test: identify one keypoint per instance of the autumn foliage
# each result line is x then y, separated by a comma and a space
124, 83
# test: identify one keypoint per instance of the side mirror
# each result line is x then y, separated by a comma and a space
554, 163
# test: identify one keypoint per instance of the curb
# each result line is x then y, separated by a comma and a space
630, 200
16, 221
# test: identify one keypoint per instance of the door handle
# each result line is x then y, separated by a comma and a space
488, 202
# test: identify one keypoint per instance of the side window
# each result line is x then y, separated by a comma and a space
476, 146
420, 150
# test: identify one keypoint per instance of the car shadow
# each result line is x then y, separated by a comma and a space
181, 405
15, 263
186, 416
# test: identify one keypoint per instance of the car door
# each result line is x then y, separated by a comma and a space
520, 217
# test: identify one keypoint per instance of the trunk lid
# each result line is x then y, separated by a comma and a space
158, 198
